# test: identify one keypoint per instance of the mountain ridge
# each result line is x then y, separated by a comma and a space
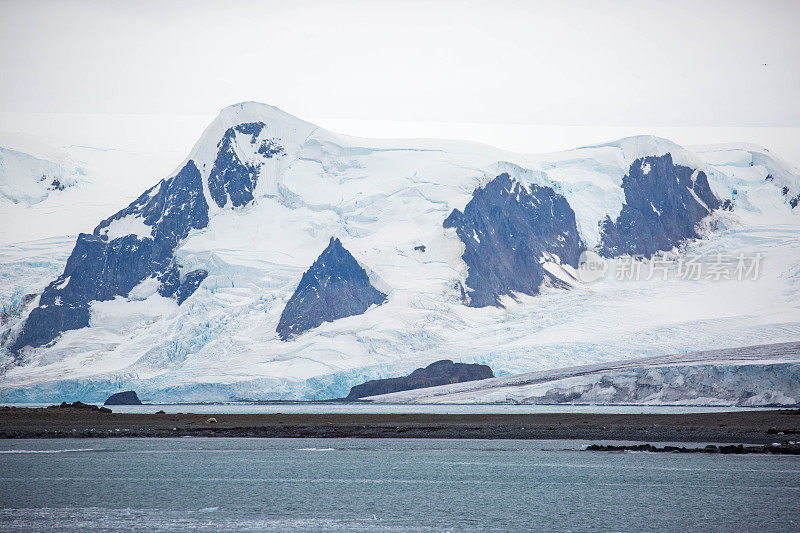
283, 186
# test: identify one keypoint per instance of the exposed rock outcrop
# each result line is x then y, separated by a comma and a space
335, 286
664, 203
508, 231
80, 406
102, 267
441, 372
171, 284
232, 178
127, 397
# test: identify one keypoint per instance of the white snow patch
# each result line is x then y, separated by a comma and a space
145, 289
560, 272
128, 225
28, 180
124, 314
656, 211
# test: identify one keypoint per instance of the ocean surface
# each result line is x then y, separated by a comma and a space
378, 408
385, 485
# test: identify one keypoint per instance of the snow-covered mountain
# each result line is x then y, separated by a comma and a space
747, 163
281, 260
26, 179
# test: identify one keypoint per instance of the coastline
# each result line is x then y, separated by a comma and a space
743, 427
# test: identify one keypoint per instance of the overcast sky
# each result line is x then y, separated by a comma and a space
727, 63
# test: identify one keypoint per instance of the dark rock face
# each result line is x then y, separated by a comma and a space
253, 129
100, 269
45, 323
506, 229
190, 283
230, 177
172, 286
173, 207
335, 286
81, 406
170, 281
439, 373
664, 202
128, 397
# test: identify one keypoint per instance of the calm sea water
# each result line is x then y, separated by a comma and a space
385, 485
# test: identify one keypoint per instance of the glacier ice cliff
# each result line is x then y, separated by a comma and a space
747, 376
726, 384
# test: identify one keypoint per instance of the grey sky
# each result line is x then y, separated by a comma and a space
670, 63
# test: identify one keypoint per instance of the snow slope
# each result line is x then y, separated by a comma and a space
29, 180
384, 200
104, 177
742, 164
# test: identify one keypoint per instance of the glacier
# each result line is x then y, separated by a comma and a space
26, 179
276, 188
750, 376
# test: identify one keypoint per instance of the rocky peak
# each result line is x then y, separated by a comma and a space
508, 231
664, 202
335, 286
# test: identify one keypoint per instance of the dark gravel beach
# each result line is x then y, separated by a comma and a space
749, 427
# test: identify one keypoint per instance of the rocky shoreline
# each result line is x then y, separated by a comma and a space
790, 448
741, 427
